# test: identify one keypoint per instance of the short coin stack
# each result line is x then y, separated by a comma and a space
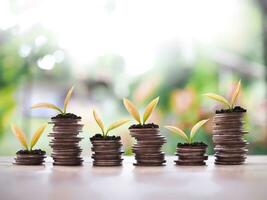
191, 154
65, 141
36, 157
107, 152
230, 147
148, 147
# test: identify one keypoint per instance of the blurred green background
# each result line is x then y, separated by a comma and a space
110, 49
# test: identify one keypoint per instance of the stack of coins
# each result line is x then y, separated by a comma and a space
30, 158
148, 147
107, 152
65, 142
191, 155
230, 146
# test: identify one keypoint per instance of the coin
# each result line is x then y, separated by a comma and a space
192, 154
148, 146
106, 151
230, 147
30, 159
106, 164
65, 142
179, 162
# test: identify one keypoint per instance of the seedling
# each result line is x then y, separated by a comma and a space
131, 108
182, 134
22, 138
112, 126
54, 107
230, 104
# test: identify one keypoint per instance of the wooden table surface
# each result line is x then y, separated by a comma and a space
243, 182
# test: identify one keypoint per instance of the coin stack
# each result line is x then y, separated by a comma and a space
230, 146
148, 147
107, 152
35, 158
191, 155
65, 142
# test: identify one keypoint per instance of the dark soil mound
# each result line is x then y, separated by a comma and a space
140, 126
66, 116
32, 152
101, 137
195, 144
237, 109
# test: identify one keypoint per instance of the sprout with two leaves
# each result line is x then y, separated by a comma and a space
54, 107
111, 127
22, 138
188, 138
229, 104
131, 108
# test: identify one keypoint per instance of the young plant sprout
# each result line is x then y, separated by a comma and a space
54, 107
131, 108
22, 138
230, 104
193, 131
112, 126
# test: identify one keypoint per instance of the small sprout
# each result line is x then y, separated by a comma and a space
149, 109
22, 138
229, 104
54, 107
116, 124
196, 127
67, 99
99, 122
112, 126
131, 108
37, 135
47, 105
235, 94
193, 131
178, 131
20, 135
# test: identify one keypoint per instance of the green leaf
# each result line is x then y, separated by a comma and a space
218, 98
67, 99
149, 109
99, 122
196, 127
47, 105
178, 131
20, 135
236, 93
132, 109
37, 135
116, 125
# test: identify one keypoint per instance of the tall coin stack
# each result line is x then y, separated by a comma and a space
107, 152
65, 141
228, 132
148, 147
